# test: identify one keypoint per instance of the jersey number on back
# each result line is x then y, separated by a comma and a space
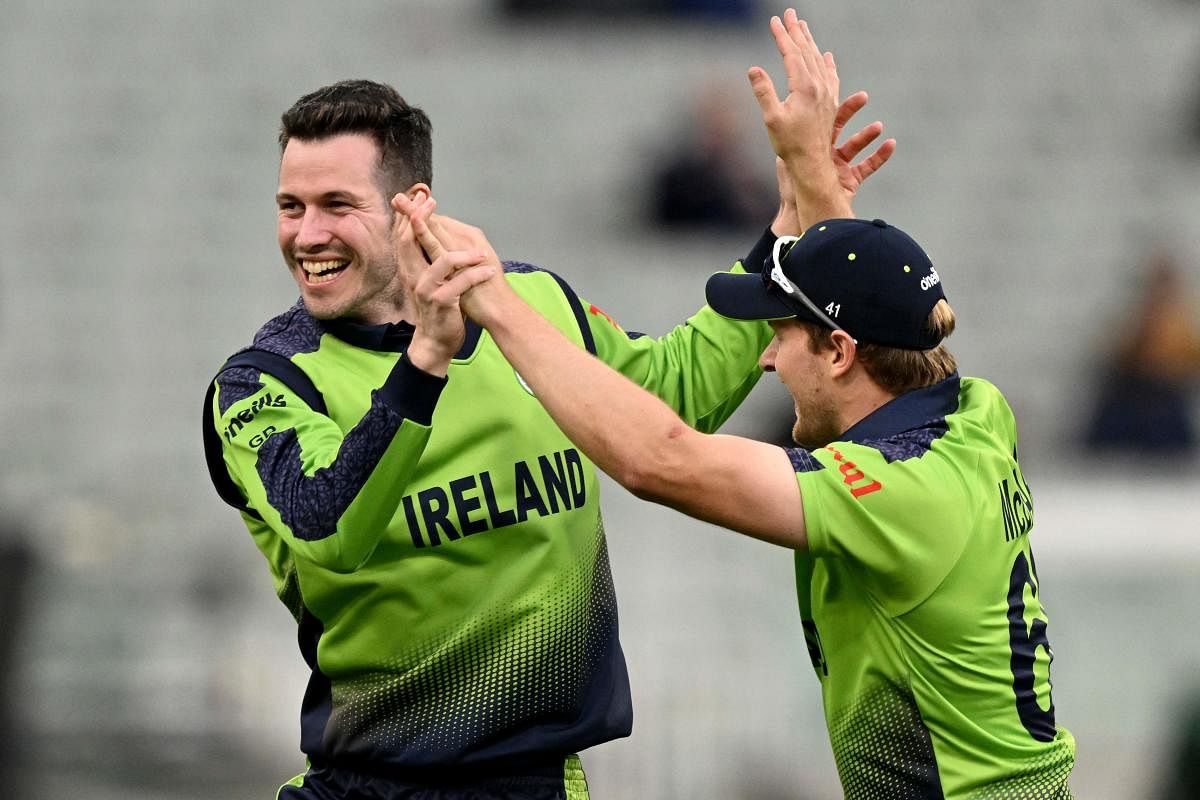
1024, 643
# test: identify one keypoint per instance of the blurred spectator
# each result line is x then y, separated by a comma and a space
709, 179
16, 571
1182, 778
1146, 397
16, 562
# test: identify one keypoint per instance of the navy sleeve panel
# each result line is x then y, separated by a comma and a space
278, 366
239, 379
411, 392
803, 460
760, 252
311, 506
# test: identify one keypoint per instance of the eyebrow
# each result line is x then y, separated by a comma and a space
338, 194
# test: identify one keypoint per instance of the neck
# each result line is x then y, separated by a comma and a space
861, 397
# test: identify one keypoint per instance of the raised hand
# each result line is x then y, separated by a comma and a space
427, 265
799, 126
804, 127
465, 272
850, 175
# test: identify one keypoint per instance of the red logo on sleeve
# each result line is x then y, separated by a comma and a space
592, 309
851, 475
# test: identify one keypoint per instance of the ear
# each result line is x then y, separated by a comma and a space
418, 192
843, 353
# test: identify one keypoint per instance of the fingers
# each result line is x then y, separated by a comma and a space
831, 76
446, 266
783, 180
876, 160
808, 69
430, 243
456, 235
850, 149
404, 204
764, 90
783, 40
466, 278
846, 111
418, 213
410, 258
799, 60
452, 293
782, 176
800, 34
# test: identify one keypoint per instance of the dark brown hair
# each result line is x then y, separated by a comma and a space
402, 132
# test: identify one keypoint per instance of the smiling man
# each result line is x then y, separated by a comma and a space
335, 224
436, 536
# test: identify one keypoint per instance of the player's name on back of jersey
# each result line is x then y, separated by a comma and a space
551, 484
1016, 505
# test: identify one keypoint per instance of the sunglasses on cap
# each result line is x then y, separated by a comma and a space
775, 278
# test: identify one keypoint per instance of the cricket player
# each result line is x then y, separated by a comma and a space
904, 501
436, 536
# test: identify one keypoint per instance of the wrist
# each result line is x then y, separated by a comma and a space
786, 222
428, 356
816, 202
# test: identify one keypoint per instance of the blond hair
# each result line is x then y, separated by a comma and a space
898, 370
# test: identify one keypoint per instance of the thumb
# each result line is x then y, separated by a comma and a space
763, 88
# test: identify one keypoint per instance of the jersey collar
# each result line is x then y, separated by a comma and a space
392, 337
908, 411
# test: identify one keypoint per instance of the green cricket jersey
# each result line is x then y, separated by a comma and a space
440, 542
921, 604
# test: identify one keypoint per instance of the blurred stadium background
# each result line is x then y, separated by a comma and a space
1045, 148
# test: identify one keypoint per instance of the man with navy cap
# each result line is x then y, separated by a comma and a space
905, 506
904, 503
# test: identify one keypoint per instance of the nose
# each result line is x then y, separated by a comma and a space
767, 359
313, 231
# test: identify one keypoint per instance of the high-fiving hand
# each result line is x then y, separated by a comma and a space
464, 275
433, 306
804, 126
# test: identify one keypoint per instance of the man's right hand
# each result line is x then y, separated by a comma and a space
465, 272
433, 308
850, 175
804, 127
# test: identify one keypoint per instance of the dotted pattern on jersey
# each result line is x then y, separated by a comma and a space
501, 670
883, 750
520, 267
1044, 778
236, 385
902, 446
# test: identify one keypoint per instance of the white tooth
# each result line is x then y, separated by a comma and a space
318, 267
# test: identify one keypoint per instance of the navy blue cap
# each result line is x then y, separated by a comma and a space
865, 277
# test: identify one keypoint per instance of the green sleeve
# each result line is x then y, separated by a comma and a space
703, 368
328, 493
901, 525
